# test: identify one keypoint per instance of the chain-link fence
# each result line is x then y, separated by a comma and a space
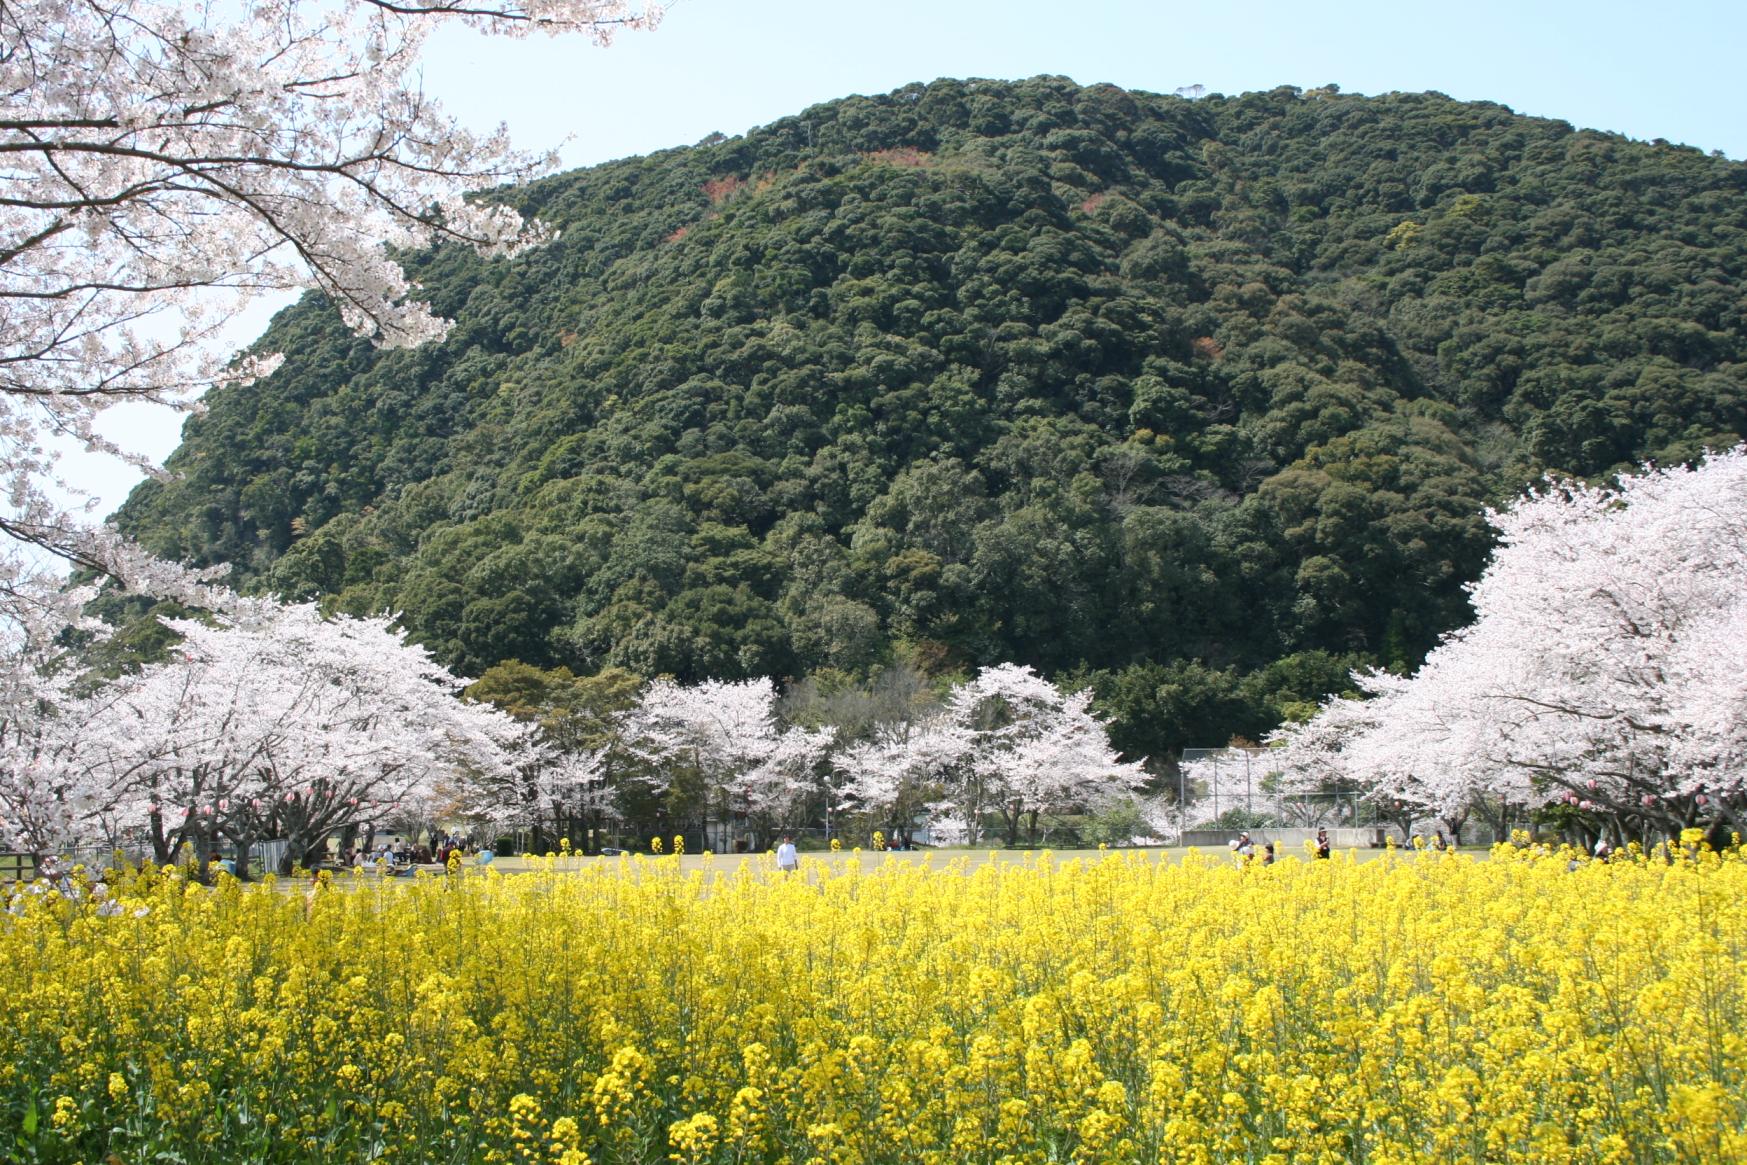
1240, 786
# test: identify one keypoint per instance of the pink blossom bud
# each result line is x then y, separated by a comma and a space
1590, 784
206, 810
1648, 800
1702, 799
1585, 805
224, 805
351, 800
255, 804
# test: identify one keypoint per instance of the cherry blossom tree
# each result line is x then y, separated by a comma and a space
1601, 676
163, 163
274, 722
902, 770
1032, 749
48, 799
46, 795
1065, 765
1365, 748
539, 787
717, 750
777, 793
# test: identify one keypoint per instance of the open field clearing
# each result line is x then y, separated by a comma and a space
1107, 1008
823, 864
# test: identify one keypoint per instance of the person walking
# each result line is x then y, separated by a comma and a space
786, 859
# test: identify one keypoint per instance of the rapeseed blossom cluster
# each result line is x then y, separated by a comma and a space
1429, 1007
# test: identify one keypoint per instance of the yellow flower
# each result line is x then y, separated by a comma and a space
1108, 1008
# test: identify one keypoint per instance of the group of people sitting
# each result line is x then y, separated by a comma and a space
394, 854
1245, 848
398, 855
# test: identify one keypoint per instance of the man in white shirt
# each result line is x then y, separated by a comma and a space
786, 859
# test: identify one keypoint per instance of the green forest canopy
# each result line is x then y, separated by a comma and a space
1199, 401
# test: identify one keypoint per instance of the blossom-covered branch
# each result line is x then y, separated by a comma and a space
162, 164
1605, 672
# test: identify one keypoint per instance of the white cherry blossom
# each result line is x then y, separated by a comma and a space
269, 721
1604, 669
163, 163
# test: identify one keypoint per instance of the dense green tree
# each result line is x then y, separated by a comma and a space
577, 715
1160, 391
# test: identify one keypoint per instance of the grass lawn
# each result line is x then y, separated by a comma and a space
933, 858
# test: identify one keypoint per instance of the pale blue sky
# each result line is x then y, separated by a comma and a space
1672, 70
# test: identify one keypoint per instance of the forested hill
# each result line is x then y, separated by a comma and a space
982, 371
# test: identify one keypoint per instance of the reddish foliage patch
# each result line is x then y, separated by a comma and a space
676, 235
720, 190
1206, 347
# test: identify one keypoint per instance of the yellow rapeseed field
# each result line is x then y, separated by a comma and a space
1121, 1009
